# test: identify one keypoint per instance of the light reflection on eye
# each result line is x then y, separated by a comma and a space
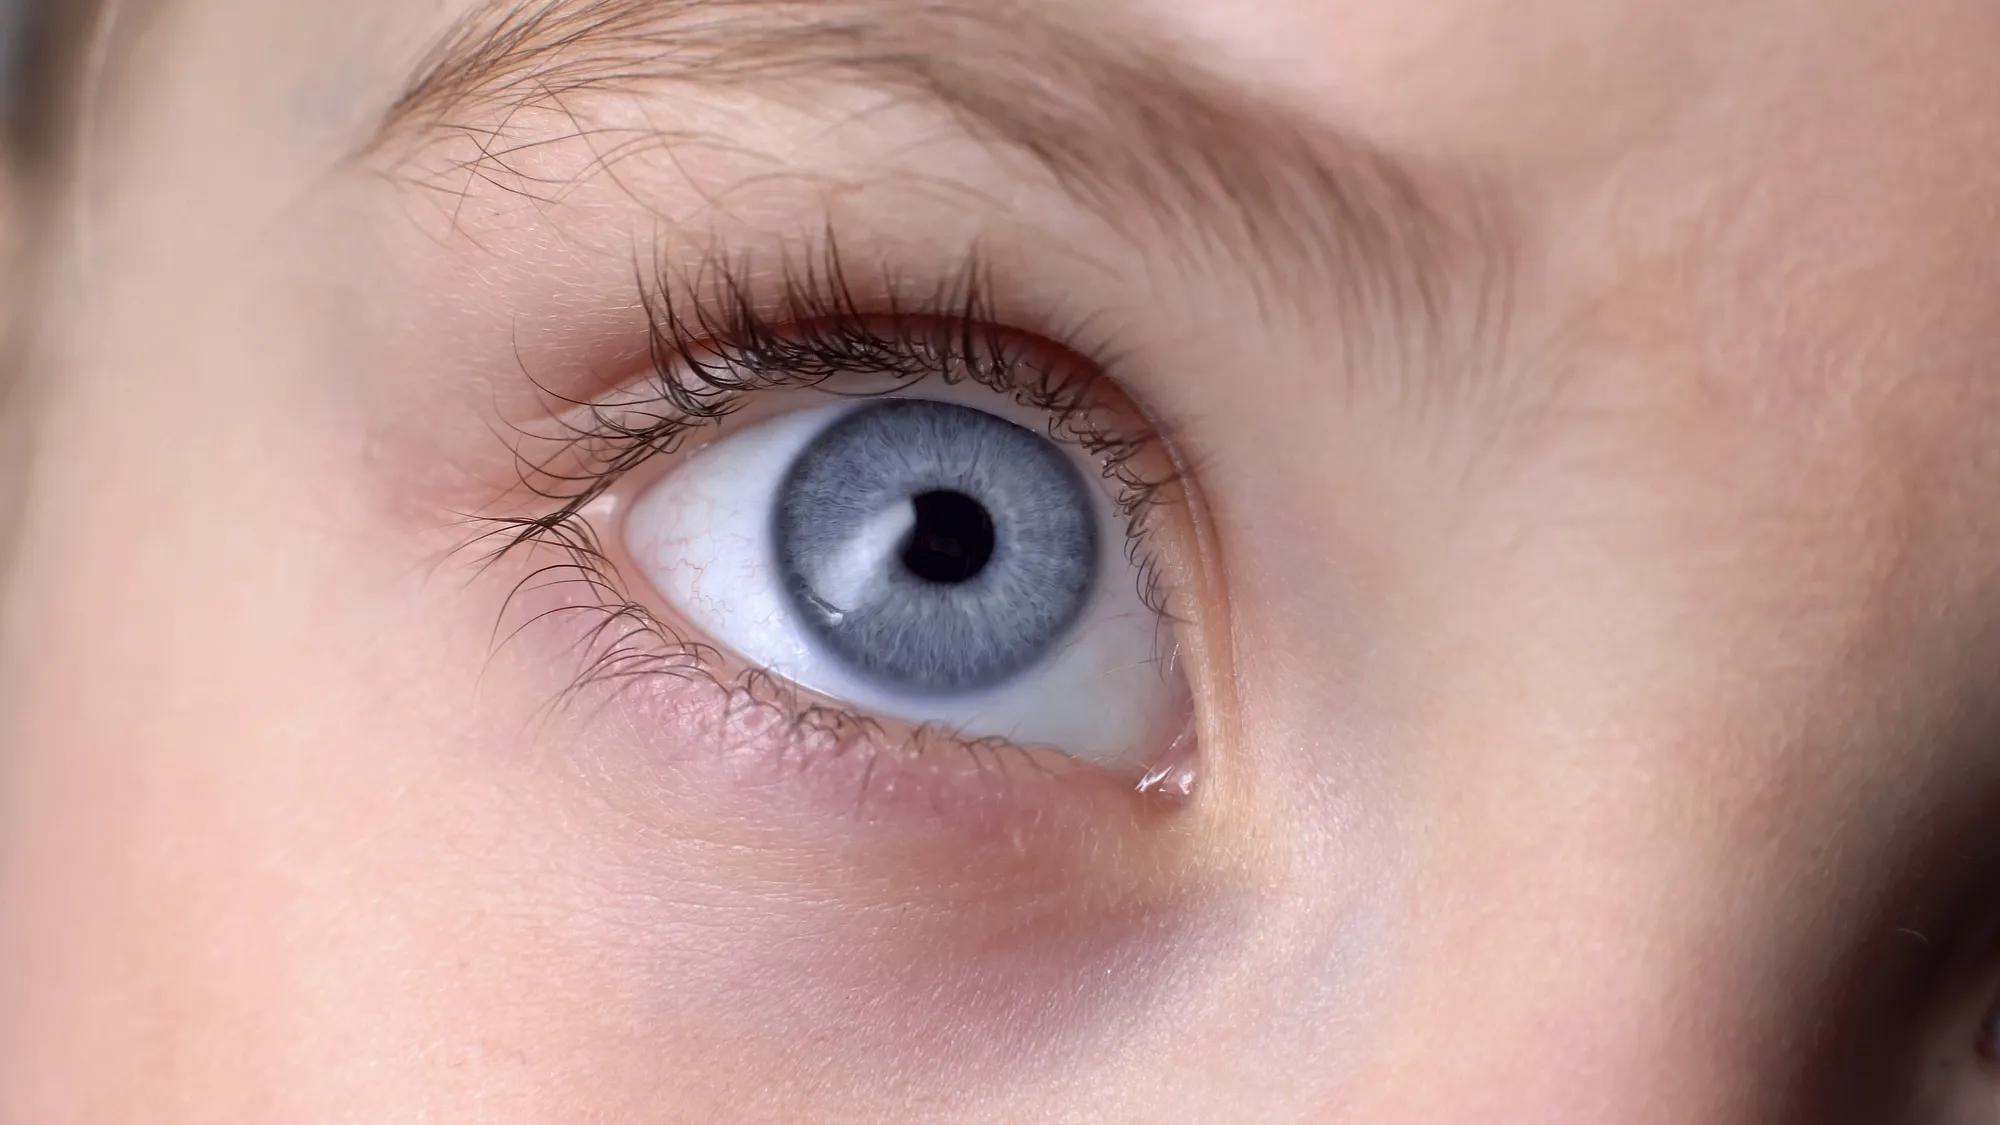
923, 560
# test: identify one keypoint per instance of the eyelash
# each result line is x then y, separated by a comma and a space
711, 350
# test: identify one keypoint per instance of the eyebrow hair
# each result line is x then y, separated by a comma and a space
1125, 127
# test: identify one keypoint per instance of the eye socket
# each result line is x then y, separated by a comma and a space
926, 557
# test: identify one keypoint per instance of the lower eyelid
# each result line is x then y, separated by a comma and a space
754, 743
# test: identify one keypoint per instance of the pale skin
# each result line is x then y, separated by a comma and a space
1597, 672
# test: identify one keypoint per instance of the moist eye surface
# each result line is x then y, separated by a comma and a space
935, 547
933, 560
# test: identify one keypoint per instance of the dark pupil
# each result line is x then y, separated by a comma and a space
953, 539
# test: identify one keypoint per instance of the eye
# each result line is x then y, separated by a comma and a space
933, 548
933, 558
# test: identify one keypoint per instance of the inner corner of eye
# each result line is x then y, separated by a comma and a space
933, 558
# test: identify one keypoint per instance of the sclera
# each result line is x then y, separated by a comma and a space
1108, 691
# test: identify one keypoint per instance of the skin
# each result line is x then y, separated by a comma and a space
1609, 738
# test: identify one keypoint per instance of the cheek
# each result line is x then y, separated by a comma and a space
763, 946
671, 892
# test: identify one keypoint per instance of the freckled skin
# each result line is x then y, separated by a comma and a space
1596, 692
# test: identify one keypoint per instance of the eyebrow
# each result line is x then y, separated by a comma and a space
1125, 127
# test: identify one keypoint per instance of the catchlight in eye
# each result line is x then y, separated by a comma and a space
930, 561
933, 547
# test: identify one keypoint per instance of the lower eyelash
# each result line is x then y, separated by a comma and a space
623, 645
713, 345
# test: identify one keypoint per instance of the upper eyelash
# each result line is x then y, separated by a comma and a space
711, 345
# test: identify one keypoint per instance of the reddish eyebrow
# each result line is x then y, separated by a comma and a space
1128, 129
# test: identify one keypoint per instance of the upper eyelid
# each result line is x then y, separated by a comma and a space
1298, 207
593, 446
716, 338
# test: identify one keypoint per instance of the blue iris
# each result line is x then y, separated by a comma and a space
934, 547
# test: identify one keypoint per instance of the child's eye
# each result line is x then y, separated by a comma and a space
930, 557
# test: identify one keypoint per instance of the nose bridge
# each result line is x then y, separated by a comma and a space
1620, 933
1643, 831
1607, 993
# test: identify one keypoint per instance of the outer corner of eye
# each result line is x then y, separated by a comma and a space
933, 559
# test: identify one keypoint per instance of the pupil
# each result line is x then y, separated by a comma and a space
953, 539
